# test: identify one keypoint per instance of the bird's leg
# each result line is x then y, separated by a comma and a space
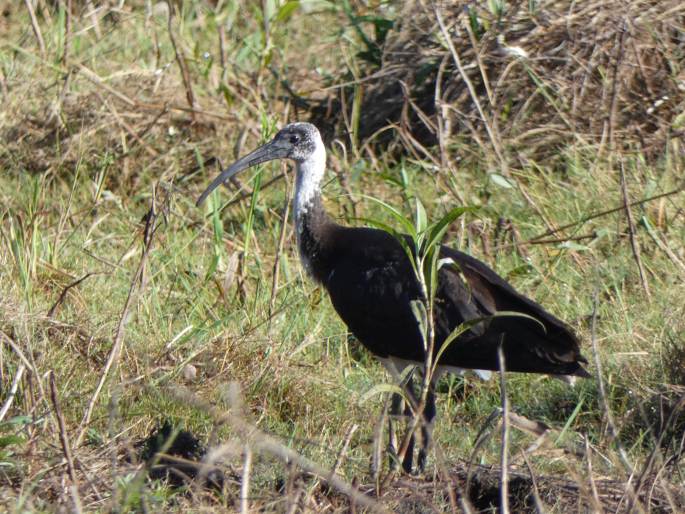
394, 413
408, 460
401, 408
427, 427
427, 417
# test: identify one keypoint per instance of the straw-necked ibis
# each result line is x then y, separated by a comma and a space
371, 283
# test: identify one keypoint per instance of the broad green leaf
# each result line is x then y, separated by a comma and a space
445, 261
459, 330
382, 388
407, 225
421, 218
18, 420
287, 10
433, 269
400, 237
438, 229
378, 224
419, 310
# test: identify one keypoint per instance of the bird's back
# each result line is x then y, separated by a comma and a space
371, 285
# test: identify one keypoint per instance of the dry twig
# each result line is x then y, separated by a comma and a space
634, 243
12, 392
36, 28
504, 454
180, 59
63, 437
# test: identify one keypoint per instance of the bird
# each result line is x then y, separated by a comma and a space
372, 286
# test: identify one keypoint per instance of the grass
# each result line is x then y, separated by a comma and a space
92, 141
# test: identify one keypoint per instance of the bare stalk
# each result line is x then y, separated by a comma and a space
67, 32
504, 454
13, 391
245, 485
634, 243
63, 437
429, 344
36, 28
180, 59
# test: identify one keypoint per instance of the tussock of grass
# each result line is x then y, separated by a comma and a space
95, 139
526, 80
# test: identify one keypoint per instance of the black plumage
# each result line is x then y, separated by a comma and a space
371, 284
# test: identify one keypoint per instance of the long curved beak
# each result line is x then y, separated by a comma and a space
268, 152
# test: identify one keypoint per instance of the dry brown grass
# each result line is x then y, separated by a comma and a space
112, 119
582, 74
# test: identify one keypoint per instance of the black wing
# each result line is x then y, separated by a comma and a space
546, 345
372, 285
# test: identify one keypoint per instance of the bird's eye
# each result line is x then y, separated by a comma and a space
294, 139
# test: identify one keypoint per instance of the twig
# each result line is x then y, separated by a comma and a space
481, 438
656, 454
245, 483
67, 33
92, 12
591, 479
36, 28
78, 506
29, 364
13, 391
504, 455
536, 491
481, 67
95, 79
454, 492
64, 292
222, 50
136, 286
343, 450
377, 446
180, 59
585, 219
84, 471
664, 246
615, 88
63, 437
634, 244
18, 351
125, 151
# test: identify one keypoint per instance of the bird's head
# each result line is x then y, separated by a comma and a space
299, 142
